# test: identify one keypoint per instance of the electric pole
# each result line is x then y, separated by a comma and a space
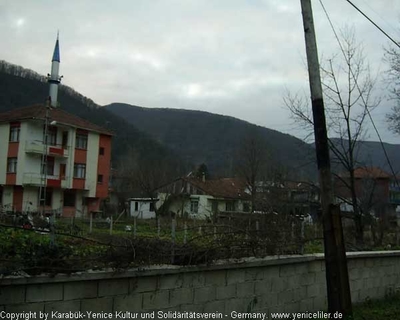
337, 279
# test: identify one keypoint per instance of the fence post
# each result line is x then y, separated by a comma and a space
173, 234
200, 231
134, 228
302, 237
91, 222
398, 232
173, 241
158, 227
215, 233
257, 227
185, 233
111, 225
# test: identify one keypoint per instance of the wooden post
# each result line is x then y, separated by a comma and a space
111, 225
158, 227
185, 233
173, 233
337, 282
91, 222
134, 228
215, 233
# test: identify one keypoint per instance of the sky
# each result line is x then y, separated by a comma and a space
230, 57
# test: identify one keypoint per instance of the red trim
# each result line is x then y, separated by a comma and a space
15, 124
13, 150
11, 178
54, 183
18, 195
103, 166
80, 156
78, 184
54, 150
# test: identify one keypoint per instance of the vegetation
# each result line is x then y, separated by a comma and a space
389, 308
348, 97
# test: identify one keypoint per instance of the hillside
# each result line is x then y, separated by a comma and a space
22, 87
213, 139
371, 153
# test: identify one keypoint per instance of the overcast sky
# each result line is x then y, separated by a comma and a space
231, 57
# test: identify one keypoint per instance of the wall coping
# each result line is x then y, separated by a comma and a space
160, 270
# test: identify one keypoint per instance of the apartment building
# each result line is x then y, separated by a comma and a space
50, 160
67, 173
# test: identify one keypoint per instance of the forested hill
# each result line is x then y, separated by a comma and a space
205, 137
23, 87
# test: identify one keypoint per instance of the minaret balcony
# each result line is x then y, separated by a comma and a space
38, 147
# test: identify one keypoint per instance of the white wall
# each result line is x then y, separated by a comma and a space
23, 135
4, 137
7, 197
143, 211
91, 163
30, 195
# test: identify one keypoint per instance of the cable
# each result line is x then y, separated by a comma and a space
361, 95
382, 18
379, 28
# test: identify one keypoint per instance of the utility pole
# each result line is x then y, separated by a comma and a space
337, 279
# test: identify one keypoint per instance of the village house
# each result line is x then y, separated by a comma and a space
202, 199
376, 190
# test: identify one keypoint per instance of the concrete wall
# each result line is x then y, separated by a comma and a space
274, 284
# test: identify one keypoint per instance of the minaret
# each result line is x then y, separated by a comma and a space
54, 79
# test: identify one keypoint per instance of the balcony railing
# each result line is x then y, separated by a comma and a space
37, 179
37, 146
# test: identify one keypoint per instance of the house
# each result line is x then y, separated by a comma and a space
200, 198
52, 161
375, 189
297, 198
142, 208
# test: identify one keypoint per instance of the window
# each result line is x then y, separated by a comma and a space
12, 165
14, 132
136, 206
194, 207
81, 141
69, 198
99, 179
151, 207
46, 198
230, 206
79, 170
246, 207
51, 135
49, 166
101, 151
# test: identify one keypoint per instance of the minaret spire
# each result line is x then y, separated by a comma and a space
54, 79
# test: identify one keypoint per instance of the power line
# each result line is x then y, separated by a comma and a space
370, 20
361, 95
382, 18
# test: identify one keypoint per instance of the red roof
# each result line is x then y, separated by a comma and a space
221, 188
38, 112
368, 172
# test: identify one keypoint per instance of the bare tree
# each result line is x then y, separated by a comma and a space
141, 175
392, 57
252, 162
348, 93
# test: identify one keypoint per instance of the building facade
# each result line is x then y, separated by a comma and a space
203, 199
52, 161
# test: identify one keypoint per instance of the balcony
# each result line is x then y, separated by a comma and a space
37, 180
37, 146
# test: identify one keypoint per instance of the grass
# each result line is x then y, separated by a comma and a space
387, 309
